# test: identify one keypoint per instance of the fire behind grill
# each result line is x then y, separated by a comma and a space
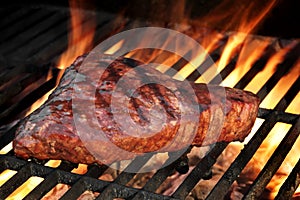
32, 39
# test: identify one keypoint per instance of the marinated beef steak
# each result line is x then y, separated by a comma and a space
210, 115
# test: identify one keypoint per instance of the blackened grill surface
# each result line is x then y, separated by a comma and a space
89, 181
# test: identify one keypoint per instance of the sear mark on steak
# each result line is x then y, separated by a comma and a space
50, 132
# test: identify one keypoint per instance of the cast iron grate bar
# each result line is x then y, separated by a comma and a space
199, 171
282, 69
289, 96
179, 64
13, 18
273, 163
95, 170
120, 191
28, 170
10, 113
9, 162
24, 24
33, 33
55, 48
284, 117
125, 176
256, 68
8, 136
44, 187
7, 12
222, 187
58, 176
244, 157
76, 190
225, 72
208, 62
162, 174
19, 85
38, 27
290, 185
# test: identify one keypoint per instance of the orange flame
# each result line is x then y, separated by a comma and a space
81, 34
261, 78
244, 21
280, 129
251, 51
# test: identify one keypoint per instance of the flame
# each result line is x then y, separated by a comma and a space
53, 163
81, 169
242, 17
115, 47
280, 129
81, 35
6, 175
281, 87
262, 77
80, 41
245, 27
244, 21
6, 149
25, 188
251, 51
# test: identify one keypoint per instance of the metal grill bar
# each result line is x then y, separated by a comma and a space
289, 96
44, 48
18, 179
284, 117
179, 64
257, 67
282, 69
199, 171
220, 190
44, 187
125, 175
7, 12
13, 20
38, 36
273, 163
203, 67
46, 21
290, 185
10, 113
22, 25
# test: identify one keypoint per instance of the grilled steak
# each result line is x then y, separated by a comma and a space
50, 132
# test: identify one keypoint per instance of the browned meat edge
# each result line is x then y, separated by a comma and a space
49, 132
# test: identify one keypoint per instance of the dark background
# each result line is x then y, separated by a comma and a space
282, 21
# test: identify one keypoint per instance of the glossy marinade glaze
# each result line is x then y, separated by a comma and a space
223, 114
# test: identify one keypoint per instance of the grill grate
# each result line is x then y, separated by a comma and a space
33, 39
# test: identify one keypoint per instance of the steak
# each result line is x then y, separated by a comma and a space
159, 115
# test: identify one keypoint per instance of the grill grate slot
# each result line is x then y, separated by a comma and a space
44, 187
220, 190
273, 163
256, 68
34, 38
13, 19
24, 24
18, 179
290, 185
282, 69
246, 154
199, 171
